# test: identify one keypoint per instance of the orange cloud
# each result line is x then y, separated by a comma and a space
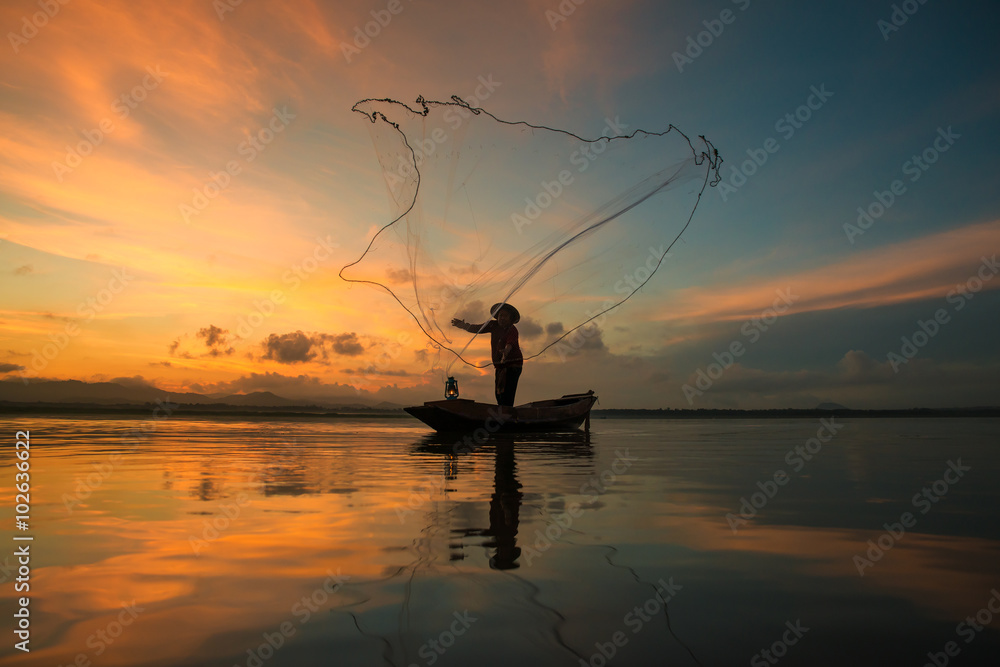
922, 268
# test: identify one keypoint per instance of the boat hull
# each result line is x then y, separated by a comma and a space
567, 413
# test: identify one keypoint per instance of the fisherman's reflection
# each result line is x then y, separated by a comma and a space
505, 505
505, 502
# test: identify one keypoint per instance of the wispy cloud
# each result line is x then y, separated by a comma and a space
921, 268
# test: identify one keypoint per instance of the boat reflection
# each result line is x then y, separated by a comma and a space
420, 531
507, 497
570, 444
506, 502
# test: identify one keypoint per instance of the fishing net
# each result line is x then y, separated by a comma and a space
485, 210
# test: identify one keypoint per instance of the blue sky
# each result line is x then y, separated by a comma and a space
227, 74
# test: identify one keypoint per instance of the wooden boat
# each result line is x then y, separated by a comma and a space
465, 416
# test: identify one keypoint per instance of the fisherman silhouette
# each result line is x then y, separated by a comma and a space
507, 357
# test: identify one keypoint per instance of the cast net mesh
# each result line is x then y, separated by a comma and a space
485, 210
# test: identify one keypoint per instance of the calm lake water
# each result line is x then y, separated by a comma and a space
369, 542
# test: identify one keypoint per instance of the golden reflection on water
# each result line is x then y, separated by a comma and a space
367, 537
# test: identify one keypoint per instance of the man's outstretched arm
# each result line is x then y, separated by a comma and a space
472, 328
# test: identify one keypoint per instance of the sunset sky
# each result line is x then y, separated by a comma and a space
119, 117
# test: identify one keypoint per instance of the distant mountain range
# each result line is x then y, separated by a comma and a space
81, 397
114, 393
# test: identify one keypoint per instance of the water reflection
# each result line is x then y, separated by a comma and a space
501, 537
505, 501
505, 504
570, 444
339, 497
